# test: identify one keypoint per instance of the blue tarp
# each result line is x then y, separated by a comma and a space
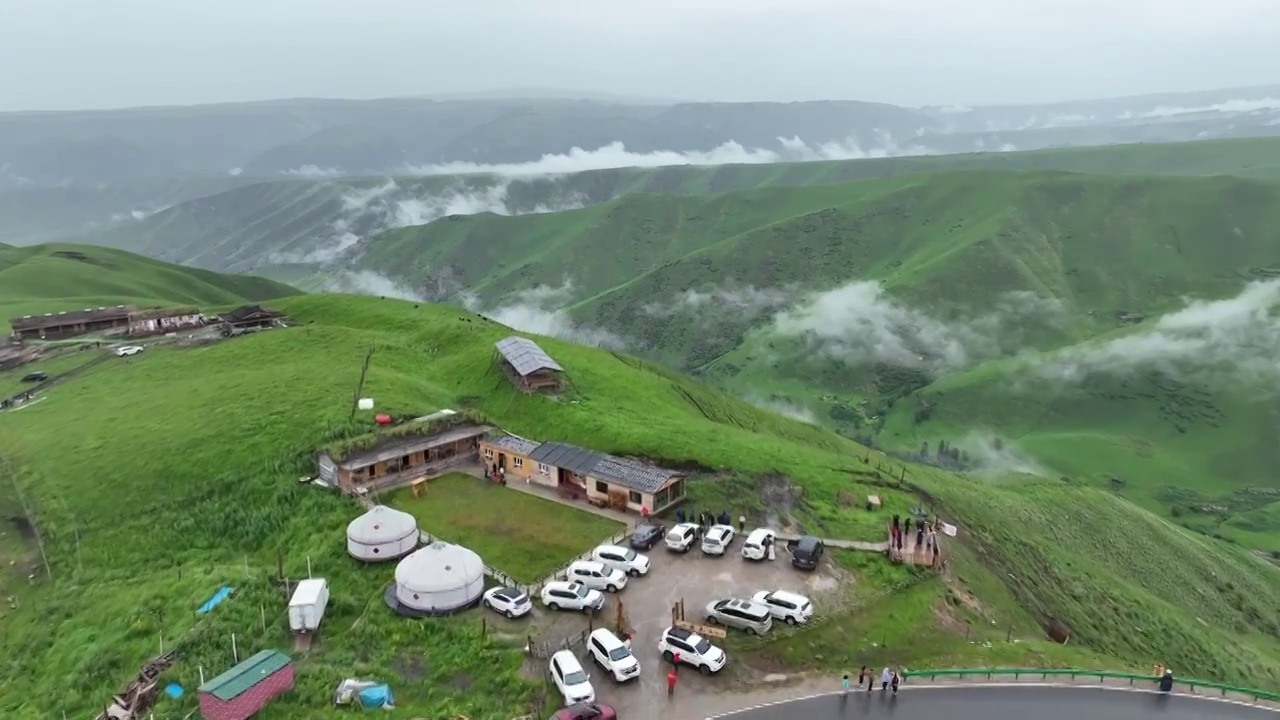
375, 697
173, 690
213, 602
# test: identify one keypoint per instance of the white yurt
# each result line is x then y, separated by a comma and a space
440, 578
382, 534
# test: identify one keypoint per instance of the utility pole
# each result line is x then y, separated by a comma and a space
355, 399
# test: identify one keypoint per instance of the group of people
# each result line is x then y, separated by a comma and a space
706, 519
889, 680
926, 534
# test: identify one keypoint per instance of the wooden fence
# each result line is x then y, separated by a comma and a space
544, 649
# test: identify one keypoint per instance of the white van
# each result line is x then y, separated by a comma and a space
571, 680
613, 655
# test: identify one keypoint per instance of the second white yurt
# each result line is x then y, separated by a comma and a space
382, 534
440, 578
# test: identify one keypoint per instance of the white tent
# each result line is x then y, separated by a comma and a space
440, 578
382, 534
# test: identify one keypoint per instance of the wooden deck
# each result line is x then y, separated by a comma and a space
913, 554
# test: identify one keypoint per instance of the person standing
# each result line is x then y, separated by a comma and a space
844, 685
862, 675
894, 682
671, 682
742, 523
884, 680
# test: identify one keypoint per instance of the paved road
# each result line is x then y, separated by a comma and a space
1012, 702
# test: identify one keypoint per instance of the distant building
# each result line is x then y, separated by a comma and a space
249, 317
54, 326
527, 366
159, 321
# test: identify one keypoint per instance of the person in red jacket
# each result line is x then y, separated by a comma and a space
671, 682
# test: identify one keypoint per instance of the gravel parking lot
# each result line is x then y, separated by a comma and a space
696, 578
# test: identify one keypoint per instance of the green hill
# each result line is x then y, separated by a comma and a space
290, 221
52, 278
759, 290
157, 481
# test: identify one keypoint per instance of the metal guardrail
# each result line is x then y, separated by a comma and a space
1099, 675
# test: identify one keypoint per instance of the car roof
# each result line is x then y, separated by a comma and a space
567, 660
560, 585
720, 530
741, 604
507, 592
606, 636
645, 527
612, 548
807, 541
679, 632
759, 533
684, 526
787, 595
591, 564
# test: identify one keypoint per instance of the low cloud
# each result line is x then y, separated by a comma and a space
859, 324
616, 155
988, 454
366, 282
1238, 337
540, 311
714, 302
235, 171
783, 407
1228, 107
313, 172
370, 210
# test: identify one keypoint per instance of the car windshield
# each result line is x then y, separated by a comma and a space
643, 531
577, 677
703, 646
519, 598
619, 653
579, 589
629, 555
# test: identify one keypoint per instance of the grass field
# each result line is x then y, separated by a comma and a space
155, 482
524, 536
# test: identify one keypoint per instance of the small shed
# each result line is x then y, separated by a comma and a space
246, 688
528, 366
250, 317
382, 534
439, 579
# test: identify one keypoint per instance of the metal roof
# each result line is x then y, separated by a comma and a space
391, 447
234, 682
513, 443
525, 355
74, 317
577, 460
633, 474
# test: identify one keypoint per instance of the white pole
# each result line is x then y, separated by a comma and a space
235, 655
263, 608
161, 642
246, 566
201, 674
308, 567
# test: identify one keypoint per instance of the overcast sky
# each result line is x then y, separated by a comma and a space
66, 54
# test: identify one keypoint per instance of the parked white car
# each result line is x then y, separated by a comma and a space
596, 575
693, 649
571, 680
127, 350
789, 607
683, 536
717, 539
613, 655
507, 601
559, 595
756, 546
619, 558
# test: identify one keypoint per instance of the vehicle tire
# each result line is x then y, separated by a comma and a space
711, 619
704, 669
633, 572
485, 602
611, 588
791, 621
666, 655
510, 615
553, 605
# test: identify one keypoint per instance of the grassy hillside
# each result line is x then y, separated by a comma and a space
143, 518
52, 278
269, 223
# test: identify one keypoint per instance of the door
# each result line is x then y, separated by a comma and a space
502, 460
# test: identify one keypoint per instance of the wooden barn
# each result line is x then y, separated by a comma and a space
158, 321
248, 318
245, 689
387, 460
527, 366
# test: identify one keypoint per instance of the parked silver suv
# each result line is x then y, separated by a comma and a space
747, 615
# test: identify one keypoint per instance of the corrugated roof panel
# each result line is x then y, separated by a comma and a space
525, 355
574, 459
234, 682
632, 474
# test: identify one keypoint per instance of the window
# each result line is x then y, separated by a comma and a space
517, 461
635, 497
602, 487
488, 453
543, 469
677, 489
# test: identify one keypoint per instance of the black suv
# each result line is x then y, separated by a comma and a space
806, 552
646, 536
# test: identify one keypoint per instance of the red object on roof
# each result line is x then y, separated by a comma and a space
382, 419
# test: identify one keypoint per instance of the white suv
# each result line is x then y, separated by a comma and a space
596, 575
682, 536
717, 539
786, 606
756, 546
693, 649
559, 595
128, 350
571, 680
613, 655
619, 558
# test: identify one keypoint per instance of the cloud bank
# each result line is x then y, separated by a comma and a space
366, 282
859, 323
1238, 337
540, 311
616, 155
